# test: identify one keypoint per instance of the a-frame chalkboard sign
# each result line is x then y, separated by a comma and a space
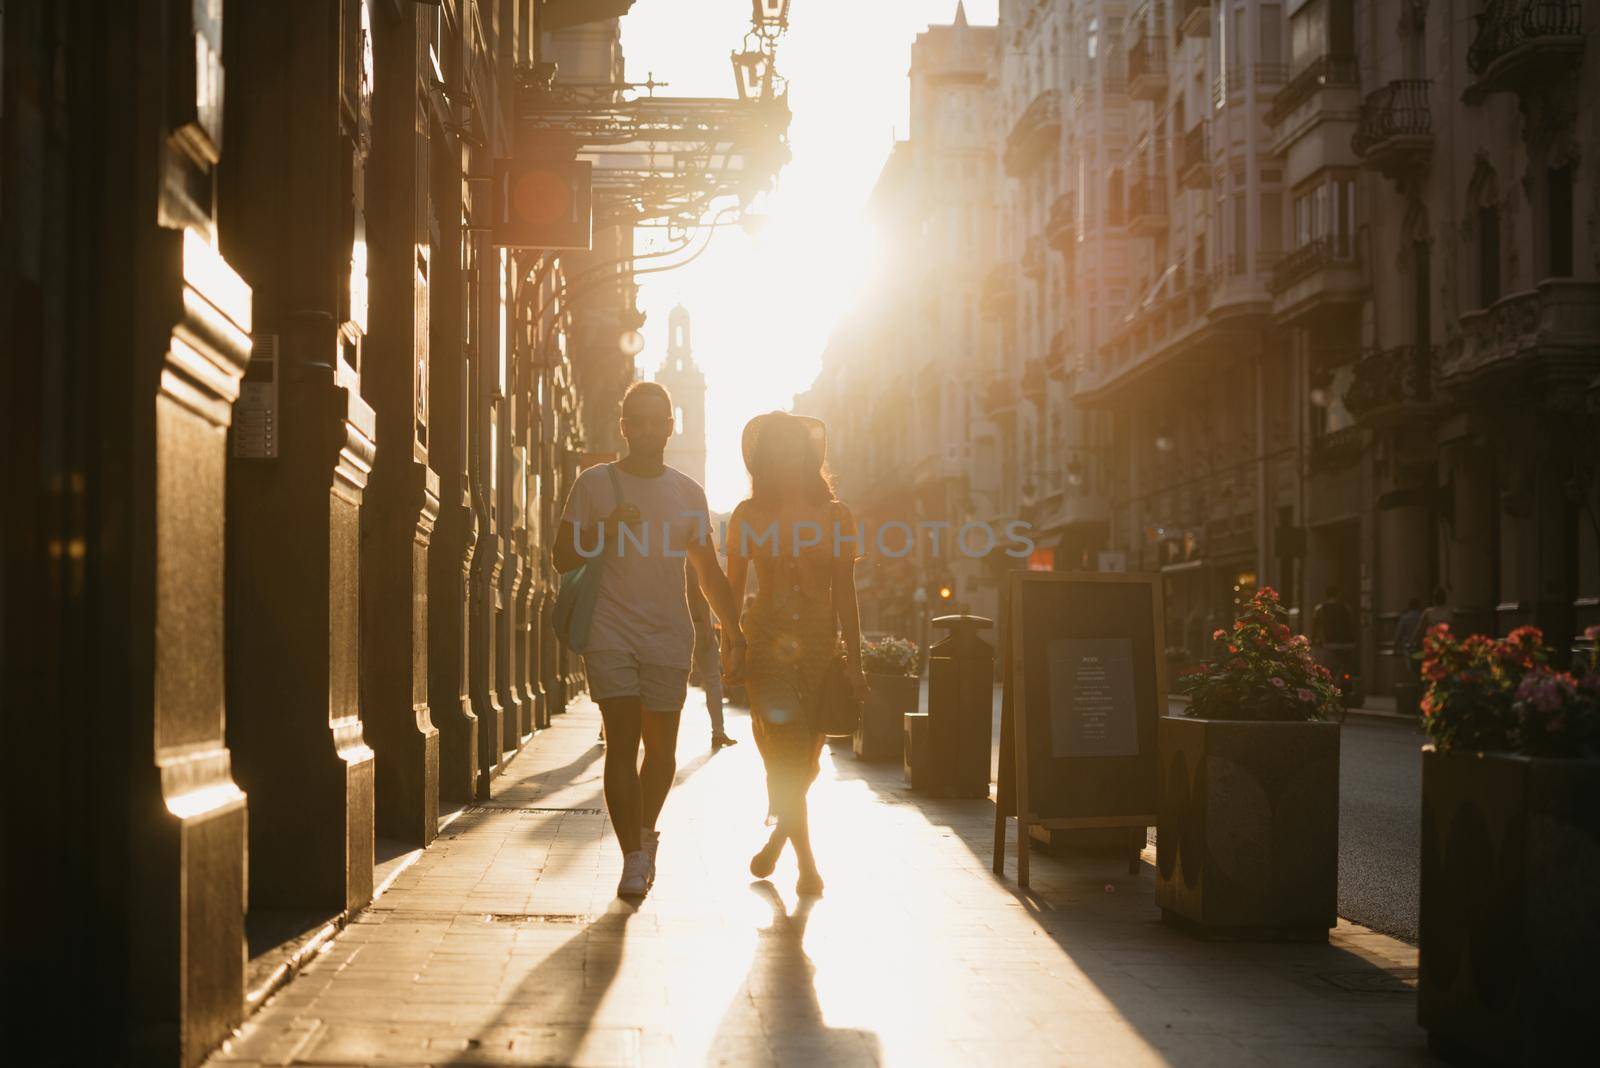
1084, 686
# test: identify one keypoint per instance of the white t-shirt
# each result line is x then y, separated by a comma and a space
641, 607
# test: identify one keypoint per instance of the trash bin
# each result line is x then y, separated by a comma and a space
960, 708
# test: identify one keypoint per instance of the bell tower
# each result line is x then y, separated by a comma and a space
687, 383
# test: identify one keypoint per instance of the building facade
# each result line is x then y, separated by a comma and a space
289, 428
1299, 294
903, 379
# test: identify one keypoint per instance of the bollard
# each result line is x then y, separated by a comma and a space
960, 708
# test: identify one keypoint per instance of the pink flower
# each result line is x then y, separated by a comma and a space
1218, 634
1279, 683
1592, 633
1305, 696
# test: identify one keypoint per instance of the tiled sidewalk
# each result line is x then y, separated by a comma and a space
504, 944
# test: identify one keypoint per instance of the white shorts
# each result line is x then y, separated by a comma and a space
616, 673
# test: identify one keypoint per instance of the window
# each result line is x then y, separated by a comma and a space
1559, 212
1488, 255
1271, 43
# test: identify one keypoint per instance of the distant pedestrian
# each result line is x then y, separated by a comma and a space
1438, 611
1408, 637
1333, 637
707, 661
644, 518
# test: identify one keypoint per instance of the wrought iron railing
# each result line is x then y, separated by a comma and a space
1506, 25
1325, 251
1399, 109
1146, 196
1321, 73
1147, 57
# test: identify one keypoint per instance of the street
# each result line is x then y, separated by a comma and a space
504, 943
1380, 825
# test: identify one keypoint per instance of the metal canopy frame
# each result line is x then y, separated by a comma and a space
660, 161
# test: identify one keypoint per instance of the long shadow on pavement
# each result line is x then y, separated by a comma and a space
775, 1016
1189, 1000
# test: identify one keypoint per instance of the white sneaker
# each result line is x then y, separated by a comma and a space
635, 875
650, 842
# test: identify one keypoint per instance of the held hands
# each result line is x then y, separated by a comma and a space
732, 660
858, 682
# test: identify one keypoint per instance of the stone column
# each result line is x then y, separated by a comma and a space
293, 215
508, 506
455, 534
487, 388
403, 500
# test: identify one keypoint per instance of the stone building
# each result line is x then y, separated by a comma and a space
902, 381
1316, 333
686, 450
288, 427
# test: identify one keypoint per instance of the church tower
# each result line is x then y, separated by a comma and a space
686, 450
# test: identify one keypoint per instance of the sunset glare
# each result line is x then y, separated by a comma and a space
763, 306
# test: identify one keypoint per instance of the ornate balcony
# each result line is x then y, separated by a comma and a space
1147, 68
1062, 227
998, 292
1309, 258
999, 396
1321, 273
1057, 361
1324, 72
1395, 134
1550, 334
1033, 258
1337, 447
1036, 132
1270, 77
1523, 41
1392, 385
1194, 17
1147, 206
1194, 159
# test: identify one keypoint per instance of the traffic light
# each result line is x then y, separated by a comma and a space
543, 204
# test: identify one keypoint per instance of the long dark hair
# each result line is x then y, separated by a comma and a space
779, 431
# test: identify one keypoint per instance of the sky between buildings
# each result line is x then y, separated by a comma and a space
762, 307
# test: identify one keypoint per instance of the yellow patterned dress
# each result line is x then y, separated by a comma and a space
791, 632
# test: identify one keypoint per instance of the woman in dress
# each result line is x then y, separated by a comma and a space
805, 594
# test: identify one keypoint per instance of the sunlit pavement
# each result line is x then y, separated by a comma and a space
504, 944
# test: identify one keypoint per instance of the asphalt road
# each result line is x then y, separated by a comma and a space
1380, 826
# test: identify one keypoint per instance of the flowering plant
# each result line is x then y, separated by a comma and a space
889, 656
1266, 672
1472, 685
1558, 712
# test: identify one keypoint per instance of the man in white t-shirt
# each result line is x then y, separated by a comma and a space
641, 638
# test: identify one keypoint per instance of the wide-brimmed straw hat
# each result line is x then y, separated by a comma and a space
817, 429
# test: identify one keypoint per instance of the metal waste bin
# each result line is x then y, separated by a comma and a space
960, 708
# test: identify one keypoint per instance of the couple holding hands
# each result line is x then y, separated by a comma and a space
648, 519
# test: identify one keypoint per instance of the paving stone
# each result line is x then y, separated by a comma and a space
504, 943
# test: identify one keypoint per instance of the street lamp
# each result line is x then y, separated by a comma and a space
770, 17
752, 73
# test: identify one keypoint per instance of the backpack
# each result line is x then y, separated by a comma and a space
574, 608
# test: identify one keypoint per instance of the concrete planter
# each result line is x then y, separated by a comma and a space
882, 730
1248, 828
1510, 910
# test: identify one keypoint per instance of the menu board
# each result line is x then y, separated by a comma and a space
1091, 698
1084, 689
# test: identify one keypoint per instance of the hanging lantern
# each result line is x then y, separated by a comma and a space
770, 16
752, 73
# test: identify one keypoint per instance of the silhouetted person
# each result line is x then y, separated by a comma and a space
1438, 611
1408, 636
790, 530
641, 639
